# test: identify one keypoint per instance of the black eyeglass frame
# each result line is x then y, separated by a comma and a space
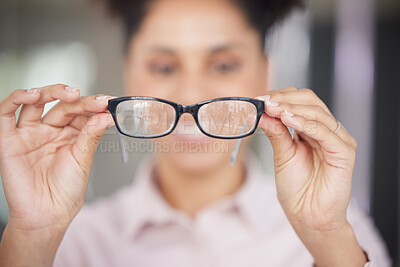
181, 109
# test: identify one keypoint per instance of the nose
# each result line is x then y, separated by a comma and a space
187, 119
191, 89
187, 125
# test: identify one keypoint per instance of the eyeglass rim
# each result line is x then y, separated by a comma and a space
181, 109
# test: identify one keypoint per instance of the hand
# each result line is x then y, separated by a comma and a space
314, 170
45, 162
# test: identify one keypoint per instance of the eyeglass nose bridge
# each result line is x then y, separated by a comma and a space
192, 110
187, 109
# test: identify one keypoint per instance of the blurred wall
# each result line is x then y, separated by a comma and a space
46, 41
34, 35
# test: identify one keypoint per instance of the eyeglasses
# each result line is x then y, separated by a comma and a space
149, 117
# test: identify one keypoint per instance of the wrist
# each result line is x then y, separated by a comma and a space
44, 234
335, 247
33, 247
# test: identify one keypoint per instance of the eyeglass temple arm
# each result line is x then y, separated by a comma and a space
124, 153
236, 149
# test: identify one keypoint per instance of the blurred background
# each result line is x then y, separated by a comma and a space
347, 51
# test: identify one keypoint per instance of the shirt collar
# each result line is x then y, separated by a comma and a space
146, 205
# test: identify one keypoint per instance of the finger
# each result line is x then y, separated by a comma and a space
32, 114
287, 89
85, 145
279, 136
64, 113
80, 121
293, 96
310, 112
9, 106
311, 142
332, 146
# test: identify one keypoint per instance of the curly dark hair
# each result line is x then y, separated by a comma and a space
261, 14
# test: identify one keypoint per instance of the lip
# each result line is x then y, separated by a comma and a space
192, 138
188, 132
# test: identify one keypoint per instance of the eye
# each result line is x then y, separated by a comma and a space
225, 67
163, 69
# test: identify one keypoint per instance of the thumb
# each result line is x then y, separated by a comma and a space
89, 137
280, 138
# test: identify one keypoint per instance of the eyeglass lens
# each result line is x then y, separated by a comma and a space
145, 117
227, 118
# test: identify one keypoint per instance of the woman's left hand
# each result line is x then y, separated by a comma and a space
313, 170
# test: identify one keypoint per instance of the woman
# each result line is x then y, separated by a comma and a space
185, 209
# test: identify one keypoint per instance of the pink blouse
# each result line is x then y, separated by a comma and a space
136, 227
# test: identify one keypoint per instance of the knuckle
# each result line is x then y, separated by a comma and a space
312, 127
308, 91
84, 100
353, 142
323, 128
59, 85
88, 97
95, 138
293, 88
53, 89
95, 125
319, 109
287, 106
64, 111
314, 112
17, 92
283, 94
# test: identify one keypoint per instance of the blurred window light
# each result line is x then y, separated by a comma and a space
288, 49
72, 63
354, 83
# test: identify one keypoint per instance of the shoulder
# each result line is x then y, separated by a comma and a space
109, 212
97, 227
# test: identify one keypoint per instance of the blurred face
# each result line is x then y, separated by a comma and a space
188, 51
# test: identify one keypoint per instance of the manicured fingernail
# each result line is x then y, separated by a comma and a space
272, 103
71, 89
32, 91
103, 97
264, 97
287, 113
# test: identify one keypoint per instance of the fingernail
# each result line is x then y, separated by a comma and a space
71, 89
264, 97
32, 91
272, 103
103, 97
287, 113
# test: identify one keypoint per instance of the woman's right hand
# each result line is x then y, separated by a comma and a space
45, 162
